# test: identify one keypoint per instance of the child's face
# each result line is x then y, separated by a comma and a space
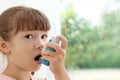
24, 47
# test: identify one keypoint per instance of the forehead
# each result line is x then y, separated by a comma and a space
33, 32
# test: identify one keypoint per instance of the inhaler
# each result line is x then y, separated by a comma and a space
46, 62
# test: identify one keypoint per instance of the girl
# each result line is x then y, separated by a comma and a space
23, 37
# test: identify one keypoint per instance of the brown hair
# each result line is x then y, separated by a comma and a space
21, 18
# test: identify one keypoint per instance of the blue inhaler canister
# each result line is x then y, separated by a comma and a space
46, 62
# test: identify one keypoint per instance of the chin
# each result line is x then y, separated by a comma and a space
36, 68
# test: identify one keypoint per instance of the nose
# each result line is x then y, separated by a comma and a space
40, 45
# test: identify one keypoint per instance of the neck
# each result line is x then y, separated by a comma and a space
16, 73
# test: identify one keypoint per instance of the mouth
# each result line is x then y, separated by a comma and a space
37, 57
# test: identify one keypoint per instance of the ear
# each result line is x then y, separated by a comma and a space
3, 46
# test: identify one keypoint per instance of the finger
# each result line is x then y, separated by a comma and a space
49, 53
46, 58
64, 41
56, 47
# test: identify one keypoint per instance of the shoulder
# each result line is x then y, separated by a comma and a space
5, 77
35, 78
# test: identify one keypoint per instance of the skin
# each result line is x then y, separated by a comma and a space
57, 58
25, 46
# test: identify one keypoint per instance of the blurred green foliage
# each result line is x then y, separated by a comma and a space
91, 46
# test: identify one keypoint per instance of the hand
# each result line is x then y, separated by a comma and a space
56, 58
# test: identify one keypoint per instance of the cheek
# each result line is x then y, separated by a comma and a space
20, 50
45, 44
21, 54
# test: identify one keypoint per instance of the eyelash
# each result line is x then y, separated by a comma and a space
42, 37
28, 36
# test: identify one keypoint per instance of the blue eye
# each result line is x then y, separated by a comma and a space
29, 36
